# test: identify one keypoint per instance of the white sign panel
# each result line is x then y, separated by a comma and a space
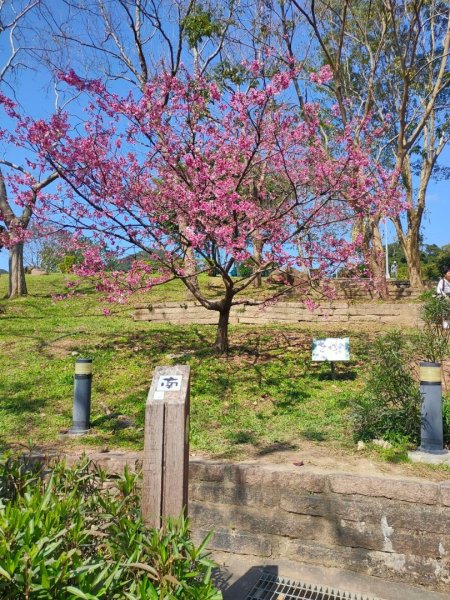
169, 383
331, 349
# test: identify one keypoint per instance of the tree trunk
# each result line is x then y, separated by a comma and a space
410, 242
257, 255
190, 264
374, 255
221, 343
378, 263
412, 254
17, 283
190, 267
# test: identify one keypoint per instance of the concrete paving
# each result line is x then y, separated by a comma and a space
238, 575
418, 456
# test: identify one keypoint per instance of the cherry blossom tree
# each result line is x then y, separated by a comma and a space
186, 166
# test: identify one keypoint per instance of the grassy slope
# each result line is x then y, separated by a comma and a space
265, 394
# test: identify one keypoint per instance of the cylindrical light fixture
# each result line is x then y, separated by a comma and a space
82, 396
431, 425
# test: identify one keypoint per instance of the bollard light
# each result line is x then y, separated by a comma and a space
431, 425
82, 396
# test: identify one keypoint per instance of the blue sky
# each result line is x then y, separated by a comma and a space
436, 221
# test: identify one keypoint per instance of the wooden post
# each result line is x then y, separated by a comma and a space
333, 371
166, 445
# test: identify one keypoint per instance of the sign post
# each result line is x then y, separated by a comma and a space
166, 445
331, 350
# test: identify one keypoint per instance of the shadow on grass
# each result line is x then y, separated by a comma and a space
130, 437
338, 376
177, 341
246, 442
59, 287
242, 437
16, 401
290, 401
181, 342
109, 420
262, 345
314, 435
277, 447
323, 371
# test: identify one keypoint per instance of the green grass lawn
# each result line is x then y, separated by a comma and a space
265, 394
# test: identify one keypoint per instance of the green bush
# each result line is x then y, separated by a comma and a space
433, 340
446, 419
67, 263
71, 534
389, 405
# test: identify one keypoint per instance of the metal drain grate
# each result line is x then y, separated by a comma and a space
271, 587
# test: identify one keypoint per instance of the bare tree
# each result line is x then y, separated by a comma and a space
15, 19
15, 224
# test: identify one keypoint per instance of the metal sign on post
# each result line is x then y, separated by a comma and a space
166, 445
331, 350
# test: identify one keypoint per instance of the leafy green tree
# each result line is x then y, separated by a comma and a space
390, 60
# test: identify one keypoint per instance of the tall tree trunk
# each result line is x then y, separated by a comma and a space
378, 265
412, 254
374, 255
410, 242
221, 344
17, 283
410, 239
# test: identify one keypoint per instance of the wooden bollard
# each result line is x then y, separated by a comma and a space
166, 446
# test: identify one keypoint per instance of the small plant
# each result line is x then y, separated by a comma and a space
446, 419
433, 340
389, 405
67, 535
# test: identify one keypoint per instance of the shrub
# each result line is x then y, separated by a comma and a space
67, 263
389, 404
446, 420
433, 340
68, 535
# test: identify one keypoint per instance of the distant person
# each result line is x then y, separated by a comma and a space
394, 270
443, 287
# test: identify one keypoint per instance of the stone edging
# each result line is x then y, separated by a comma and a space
287, 313
398, 529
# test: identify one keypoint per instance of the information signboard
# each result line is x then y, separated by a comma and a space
331, 349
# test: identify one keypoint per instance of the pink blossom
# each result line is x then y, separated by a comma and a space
324, 75
187, 166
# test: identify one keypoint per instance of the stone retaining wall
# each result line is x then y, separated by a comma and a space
351, 289
288, 313
397, 529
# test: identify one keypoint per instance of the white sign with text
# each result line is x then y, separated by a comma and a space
331, 349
